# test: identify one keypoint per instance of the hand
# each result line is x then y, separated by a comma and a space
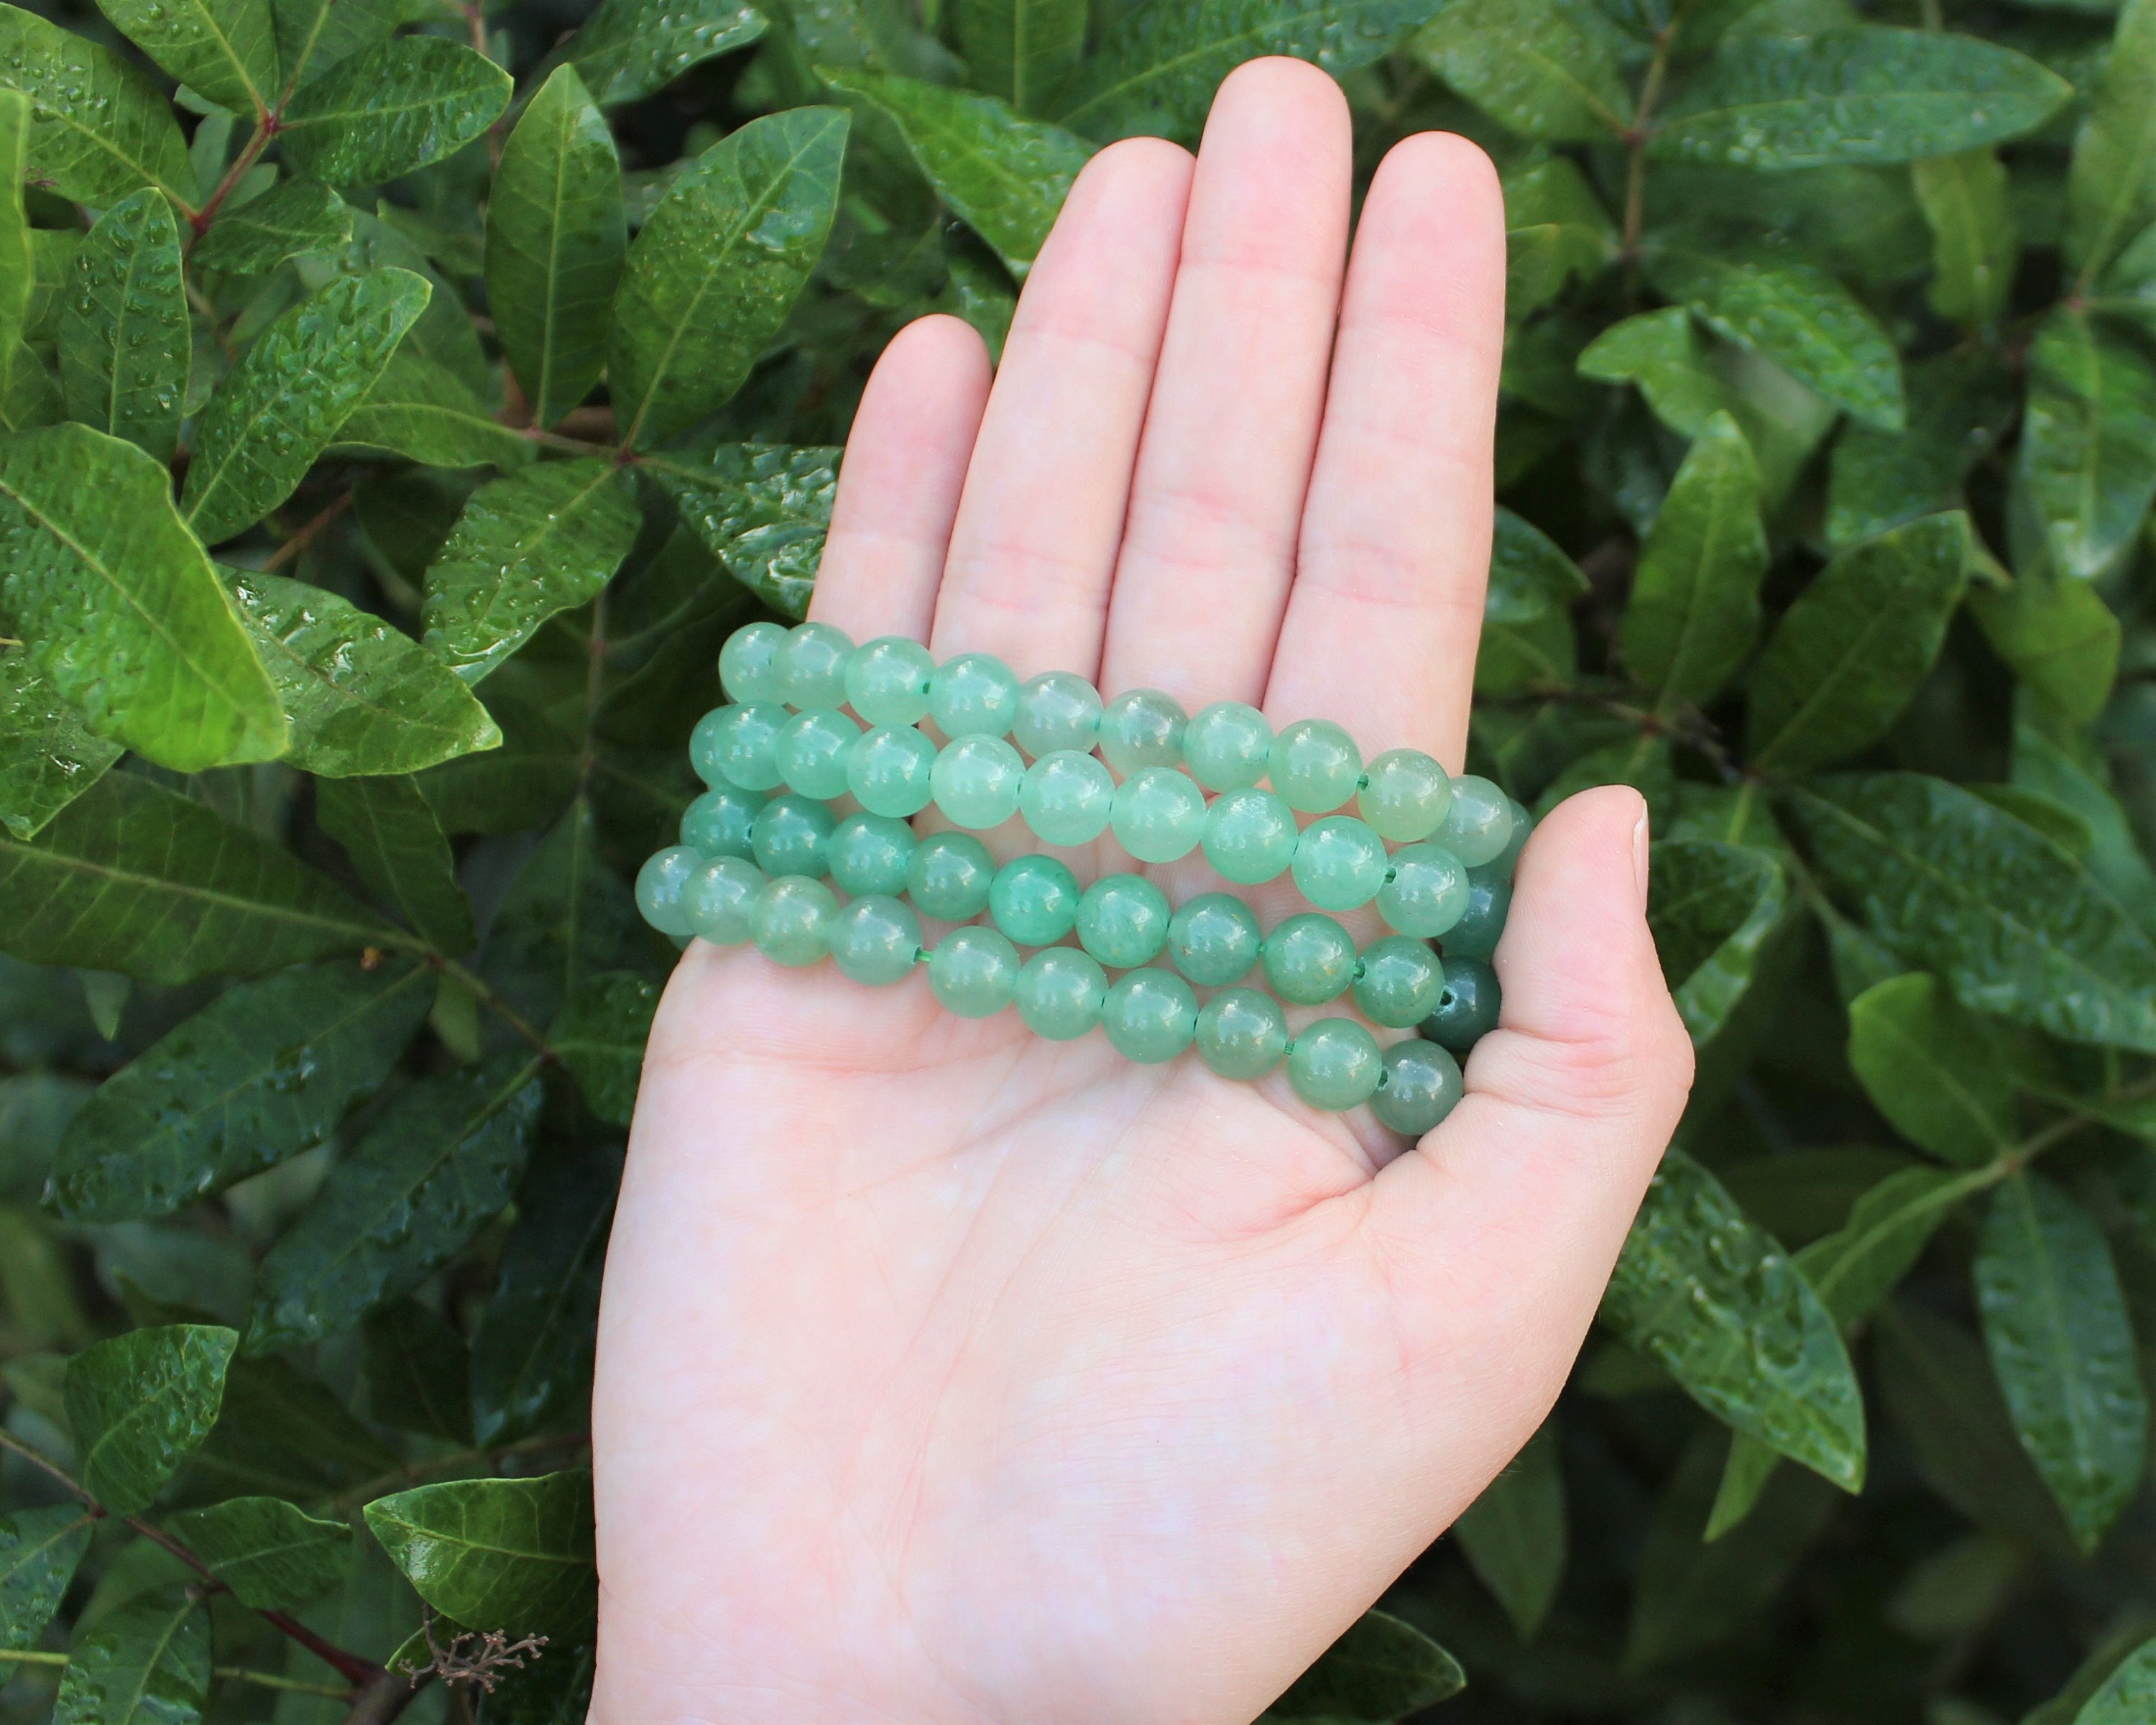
947, 1374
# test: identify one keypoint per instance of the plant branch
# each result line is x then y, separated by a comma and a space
486, 996
386, 1697
1635, 147
306, 534
250, 152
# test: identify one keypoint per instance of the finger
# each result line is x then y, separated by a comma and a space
898, 485
1209, 545
1035, 540
1387, 606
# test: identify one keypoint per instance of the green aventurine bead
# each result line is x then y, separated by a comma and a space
1122, 921
974, 972
1419, 1086
1141, 727
1335, 1064
975, 782
1056, 709
887, 680
811, 749
1426, 893
1339, 863
748, 662
1314, 765
1067, 797
1150, 1015
812, 665
659, 885
793, 916
1398, 981
1060, 992
789, 834
1523, 823
720, 900
1035, 899
1242, 1033
1403, 795
717, 822
1158, 814
1478, 821
975, 693
948, 876
1250, 836
868, 854
736, 745
891, 770
1482, 923
1309, 959
876, 940
1468, 1008
1226, 745
1214, 939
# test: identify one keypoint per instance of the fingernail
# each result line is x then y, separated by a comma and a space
1640, 859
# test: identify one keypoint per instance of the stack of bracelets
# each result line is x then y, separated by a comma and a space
752, 865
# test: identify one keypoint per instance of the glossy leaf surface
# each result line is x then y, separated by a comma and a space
39, 1549
1380, 1669
297, 217
271, 1553
1695, 607
146, 1664
99, 128
395, 841
628, 48
761, 511
138, 1404
48, 755
124, 341
1932, 1068
515, 1553
395, 107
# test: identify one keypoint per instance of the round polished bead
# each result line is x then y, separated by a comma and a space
1426, 890
812, 665
1335, 1064
1242, 1033
1060, 992
1067, 797
1482, 923
789, 836
1309, 959
793, 916
974, 972
1250, 836
1056, 709
720, 900
868, 854
1339, 863
1523, 823
975, 693
948, 876
1478, 821
1398, 981
1214, 939
1122, 921
976, 781
1467, 1010
891, 770
1403, 795
1226, 745
887, 680
811, 750
659, 885
1141, 727
717, 822
1158, 814
1314, 765
1419, 1085
737, 745
1035, 899
1150, 1015
748, 662
876, 940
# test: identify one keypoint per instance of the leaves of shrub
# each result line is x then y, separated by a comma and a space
516, 1553
138, 1406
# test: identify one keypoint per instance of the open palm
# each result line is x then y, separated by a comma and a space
950, 1375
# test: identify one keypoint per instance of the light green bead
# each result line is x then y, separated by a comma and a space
1398, 981
975, 782
1214, 939
1339, 863
975, 693
1242, 1033
1226, 746
811, 750
1335, 1064
789, 834
812, 665
1250, 836
1309, 959
1478, 821
1158, 814
876, 940
974, 972
1141, 727
1056, 709
1150, 1015
748, 662
948, 876
887, 680
659, 885
793, 920
1314, 765
720, 900
1122, 921
868, 854
717, 822
1067, 797
1060, 992
738, 746
1035, 899
891, 771
1403, 795
1427, 891
1419, 1085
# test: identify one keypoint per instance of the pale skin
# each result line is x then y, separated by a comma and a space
948, 1376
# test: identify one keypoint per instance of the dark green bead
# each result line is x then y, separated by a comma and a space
1122, 921
1468, 1008
1150, 1015
948, 876
1482, 923
717, 823
1035, 899
1214, 939
973, 972
1398, 981
1310, 959
876, 940
1340, 863
1242, 1033
1314, 765
659, 885
1141, 727
1060, 992
793, 916
868, 854
1523, 823
789, 836
720, 899
1335, 1064
1420, 1085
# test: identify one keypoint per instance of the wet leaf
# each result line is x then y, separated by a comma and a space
424, 411
629, 48
514, 1553
762, 510
390, 109
2088, 441
1021, 50
39, 1549
1546, 69
298, 217
600, 1036
1933, 1068
225, 48
1973, 245
1527, 631
124, 338
1695, 607
147, 1663
391, 833
99, 128
1713, 907
2060, 637
139, 1405
2112, 190
270, 1553
1958, 405
47, 755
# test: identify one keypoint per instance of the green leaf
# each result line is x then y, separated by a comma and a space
600, 1036
284, 1435
2059, 636
423, 412
1664, 354
1959, 403
555, 238
717, 267
47, 755
443, 333
513, 1554
565, 919
629, 49
1527, 631
1974, 247
2129, 1694
98, 128
1694, 611
1546, 69
313, 35
270, 1553
298, 217
225, 48
39, 1549
1865, 94
1513, 1534
526, 546
762, 510
419, 1373
1712, 907
2111, 191
2088, 441
280, 407
139, 1405
2054, 1324
1848, 655
1021, 50
2074, 786
1704, 1292
1855, 1268
125, 341
436, 1166
390, 109
19, 282
147, 1663
1379, 1670
390, 832
1934, 1069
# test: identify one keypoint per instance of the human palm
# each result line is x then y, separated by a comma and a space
947, 1374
